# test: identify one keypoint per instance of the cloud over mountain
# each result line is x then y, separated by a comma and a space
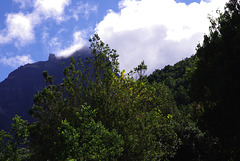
16, 61
78, 43
159, 32
22, 27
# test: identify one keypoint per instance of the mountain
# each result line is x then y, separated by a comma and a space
18, 89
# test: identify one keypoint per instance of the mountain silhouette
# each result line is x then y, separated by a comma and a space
18, 89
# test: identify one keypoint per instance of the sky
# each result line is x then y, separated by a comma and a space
160, 32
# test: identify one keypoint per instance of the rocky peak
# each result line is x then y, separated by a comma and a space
52, 57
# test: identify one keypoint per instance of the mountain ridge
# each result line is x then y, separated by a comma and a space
18, 89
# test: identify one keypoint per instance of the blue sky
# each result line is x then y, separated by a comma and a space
160, 32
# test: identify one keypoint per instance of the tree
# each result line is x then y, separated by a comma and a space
215, 82
141, 113
78, 139
102, 113
140, 70
176, 79
124, 103
195, 143
13, 145
67, 130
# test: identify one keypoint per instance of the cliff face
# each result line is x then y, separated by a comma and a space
18, 89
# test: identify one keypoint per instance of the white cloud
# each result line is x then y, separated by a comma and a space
45, 36
54, 43
19, 27
83, 9
16, 61
160, 32
78, 43
51, 8
23, 3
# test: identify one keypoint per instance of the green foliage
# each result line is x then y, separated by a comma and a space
13, 144
47, 77
139, 112
88, 141
140, 70
215, 82
102, 113
124, 104
196, 144
97, 113
176, 79
65, 127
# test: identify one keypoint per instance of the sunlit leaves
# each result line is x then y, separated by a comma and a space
13, 145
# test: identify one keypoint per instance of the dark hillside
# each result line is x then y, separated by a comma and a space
18, 89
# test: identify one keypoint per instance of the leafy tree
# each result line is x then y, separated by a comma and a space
124, 103
215, 82
64, 130
176, 79
98, 113
140, 70
196, 144
13, 144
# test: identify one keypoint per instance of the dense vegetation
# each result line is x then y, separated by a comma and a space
188, 111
